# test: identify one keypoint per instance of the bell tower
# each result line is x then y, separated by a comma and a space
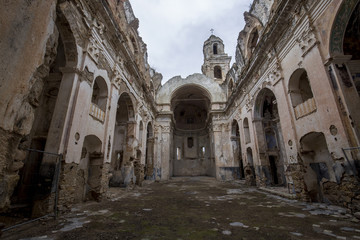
216, 61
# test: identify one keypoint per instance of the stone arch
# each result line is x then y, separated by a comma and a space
351, 47
68, 38
249, 156
92, 157
236, 147
265, 104
191, 107
134, 44
344, 63
318, 164
127, 101
141, 132
247, 36
209, 87
230, 86
250, 176
246, 130
198, 88
100, 93
149, 130
299, 87
269, 139
339, 26
125, 143
42, 135
252, 41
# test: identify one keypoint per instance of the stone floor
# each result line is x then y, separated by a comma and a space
194, 208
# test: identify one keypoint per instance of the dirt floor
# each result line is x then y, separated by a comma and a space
194, 208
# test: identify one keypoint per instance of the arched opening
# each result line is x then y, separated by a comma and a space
215, 48
249, 168
301, 95
191, 141
152, 89
344, 65
149, 157
269, 137
253, 40
141, 133
246, 131
100, 93
299, 87
123, 153
351, 46
38, 170
217, 72
91, 163
317, 165
236, 145
231, 87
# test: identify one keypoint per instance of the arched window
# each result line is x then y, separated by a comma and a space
152, 89
141, 130
249, 156
99, 95
215, 48
246, 130
235, 129
134, 45
253, 40
149, 133
217, 72
299, 87
231, 87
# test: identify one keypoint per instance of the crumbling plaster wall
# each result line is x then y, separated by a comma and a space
262, 10
31, 34
82, 123
28, 32
303, 51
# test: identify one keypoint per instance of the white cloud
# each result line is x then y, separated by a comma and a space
175, 30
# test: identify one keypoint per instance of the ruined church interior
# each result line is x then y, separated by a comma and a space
87, 123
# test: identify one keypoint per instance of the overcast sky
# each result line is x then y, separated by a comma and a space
175, 31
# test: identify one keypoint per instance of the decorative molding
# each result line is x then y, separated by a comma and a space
217, 127
87, 76
307, 41
94, 49
249, 103
165, 129
275, 75
156, 128
117, 78
99, 26
227, 127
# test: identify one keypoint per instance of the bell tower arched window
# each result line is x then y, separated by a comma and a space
215, 48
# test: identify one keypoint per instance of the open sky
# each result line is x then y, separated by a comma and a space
175, 31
